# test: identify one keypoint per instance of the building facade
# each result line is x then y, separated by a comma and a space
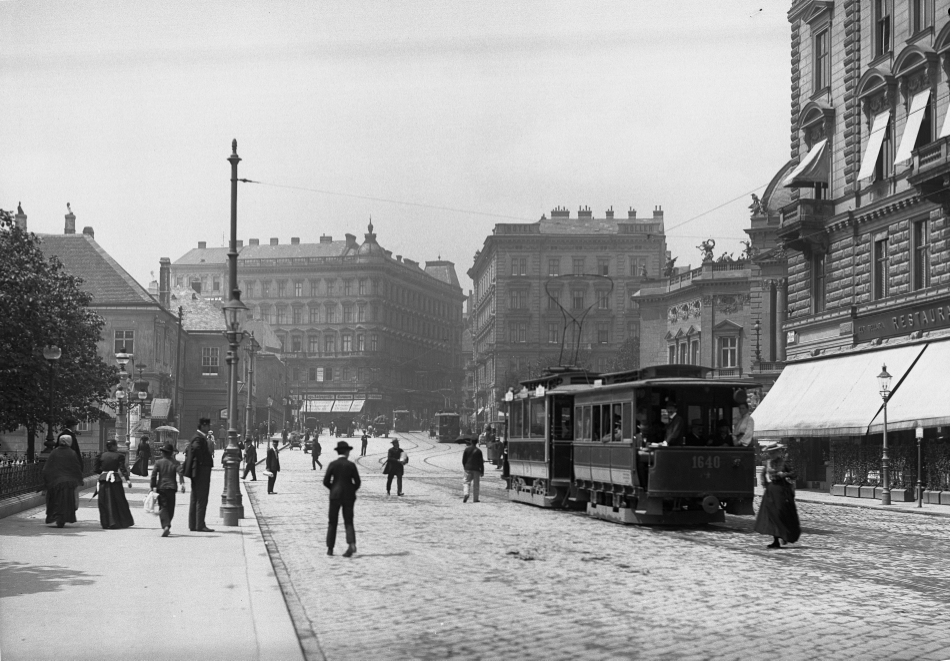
558, 291
361, 332
866, 232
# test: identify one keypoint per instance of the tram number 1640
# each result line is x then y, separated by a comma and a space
705, 462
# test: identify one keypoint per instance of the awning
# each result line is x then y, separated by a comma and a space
836, 396
917, 107
875, 140
920, 398
160, 408
357, 405
342, 405
812, 170
317, 405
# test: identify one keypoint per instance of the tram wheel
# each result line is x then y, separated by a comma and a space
517, 483
539, 487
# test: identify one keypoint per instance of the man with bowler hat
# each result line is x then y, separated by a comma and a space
343, 481
198, 464
273, 466
394, 467
250, 460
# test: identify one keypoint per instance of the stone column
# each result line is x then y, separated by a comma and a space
781, 312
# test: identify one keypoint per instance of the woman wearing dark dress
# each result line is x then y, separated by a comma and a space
777, 514
142, 457
113, 507
62, 474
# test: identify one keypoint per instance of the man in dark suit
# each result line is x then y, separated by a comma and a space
273, 466
198, 464
474, 465
250, 460
343, 481
675, 428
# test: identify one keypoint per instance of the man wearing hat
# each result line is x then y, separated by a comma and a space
343, 481
69, 426
166, 475
272, 467
394, 467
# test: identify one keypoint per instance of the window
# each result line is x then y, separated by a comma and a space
578, 265
880, 268
282, 341
603, 366
671, 351
729, 351
265, 289
554, 266
281, 316
329, 344
638, 266
314, 315
882, 27
603, 300
215, 283
210, 360
281, 288
361, 313
312, 374
314, 287
297, 315
884, 167
298, 288
518, 299
554, 299
684, 353
347, 343
329, 287
921, 15
822, 74
362, 286
818, 283
694, 352
602, 334
603, 266
577, 300
345, 373
347, 287
296, 344
313, 344
347, 314
296, 374
361, 342
373, 342
925, 134
519, 266
125, 341
921, 254
553, 334
518, 331
320, 374
331, 315
329, 373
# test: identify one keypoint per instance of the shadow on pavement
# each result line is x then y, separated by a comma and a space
19, 578
378, 555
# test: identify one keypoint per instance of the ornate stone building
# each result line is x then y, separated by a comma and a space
558, 291
361, 332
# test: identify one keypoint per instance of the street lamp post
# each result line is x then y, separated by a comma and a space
919, 433
884, 381
122, 422
232, 506
250, 386
51, 353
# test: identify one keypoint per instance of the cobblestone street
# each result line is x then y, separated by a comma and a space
435, 578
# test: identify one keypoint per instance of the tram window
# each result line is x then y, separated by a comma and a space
606, 422
578, 424
563, 422
627, 422
586, 433
595, 423
516, 418
537, 418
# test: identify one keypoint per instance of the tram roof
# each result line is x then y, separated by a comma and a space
674, 382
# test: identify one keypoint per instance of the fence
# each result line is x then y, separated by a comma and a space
16, 480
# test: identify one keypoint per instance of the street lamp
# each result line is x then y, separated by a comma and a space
884, 381
122, 422
51, 353
757, 327
248, 422
919, 432
232, 507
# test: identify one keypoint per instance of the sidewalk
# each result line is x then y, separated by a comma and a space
825, 498
86, 593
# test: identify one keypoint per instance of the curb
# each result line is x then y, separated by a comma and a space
25, 502
869, 506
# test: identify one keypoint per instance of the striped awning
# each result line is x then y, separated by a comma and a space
920, 399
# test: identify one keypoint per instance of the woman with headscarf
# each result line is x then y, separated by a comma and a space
777, 514
394, 467
62, 474
113, 507
142, 457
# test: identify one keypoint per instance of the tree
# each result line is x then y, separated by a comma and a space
628, 356
40, 305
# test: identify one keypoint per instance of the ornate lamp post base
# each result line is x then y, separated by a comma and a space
232, 503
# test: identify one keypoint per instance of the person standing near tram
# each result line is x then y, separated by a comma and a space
744, 432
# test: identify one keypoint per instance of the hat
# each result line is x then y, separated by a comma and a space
769, 447
395, 441
343, 447
168, 448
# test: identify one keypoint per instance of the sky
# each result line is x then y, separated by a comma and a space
436, 119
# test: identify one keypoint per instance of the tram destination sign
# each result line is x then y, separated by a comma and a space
931, 315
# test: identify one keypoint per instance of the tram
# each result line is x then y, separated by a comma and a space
447, 427
580, 440
402, 420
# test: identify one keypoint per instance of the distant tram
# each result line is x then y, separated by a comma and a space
579, 439
402, 420
447, 426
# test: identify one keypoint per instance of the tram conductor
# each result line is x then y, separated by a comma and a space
675, 428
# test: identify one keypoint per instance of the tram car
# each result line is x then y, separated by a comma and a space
447, 427
605, 446
402, 420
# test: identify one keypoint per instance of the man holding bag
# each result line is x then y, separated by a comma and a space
166, 474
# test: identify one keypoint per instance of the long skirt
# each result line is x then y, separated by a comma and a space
61, 503
113, 507
140, 467
777, 514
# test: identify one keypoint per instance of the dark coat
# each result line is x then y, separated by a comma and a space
144, 450
472, 459
62, 467
393, 465
74, 443
342, 479
675, 431
198, 457
111, 461
250, 454
165, 474
273, 461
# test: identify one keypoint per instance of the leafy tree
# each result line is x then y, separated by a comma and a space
40, 305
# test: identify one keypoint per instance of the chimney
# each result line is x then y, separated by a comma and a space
610, 212
560, 212
632, 214
153, 288
253, 242
202, 245
389, 253
326, 239
239, 243
164, 283
88, 231
584, 212
20, 217
295, 240
350, 240
398, 258
273, 241
658, 213
70, 221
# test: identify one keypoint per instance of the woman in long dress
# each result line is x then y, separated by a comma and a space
777, 514
113, 507
142, 457
62, 475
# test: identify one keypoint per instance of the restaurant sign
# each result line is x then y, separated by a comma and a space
928, 316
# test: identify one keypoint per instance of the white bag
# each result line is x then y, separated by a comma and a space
150, 503
268, 474
404, 458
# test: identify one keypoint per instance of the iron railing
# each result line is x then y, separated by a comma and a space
18, 479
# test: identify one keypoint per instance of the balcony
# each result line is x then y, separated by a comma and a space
802, 225
931, 175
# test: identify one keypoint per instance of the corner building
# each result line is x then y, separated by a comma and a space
526, 273
866, 233
361, 332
